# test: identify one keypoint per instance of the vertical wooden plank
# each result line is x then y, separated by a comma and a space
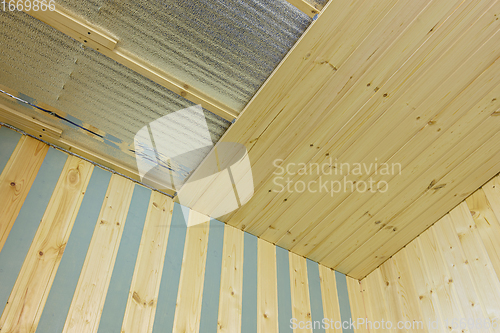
410, 306
9, 139
315, 299
169, 286
358, 310
284, 290
86, 307
345, 306
481, 205
439, 278
189, 298
30, 292
141, 304
230, 299
492, 192
478, 260
267, 288
331, 309
211, 288
390, 289
250, 289
456, 264
426, 295
62, 291
18, 243
375, 297
301, 307
16, 180
123, 271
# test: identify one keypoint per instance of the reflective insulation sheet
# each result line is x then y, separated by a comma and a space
224, 48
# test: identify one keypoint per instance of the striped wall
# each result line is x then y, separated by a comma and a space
447, 278
84, 250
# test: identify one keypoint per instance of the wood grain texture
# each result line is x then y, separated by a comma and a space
16, 180
267, 288
189, 297
446, 278
88, 301
301, 306
331, 309
409, 82
33, 284
143, 295
231, 283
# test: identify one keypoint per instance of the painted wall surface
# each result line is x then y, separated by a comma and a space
84, 250
446, 280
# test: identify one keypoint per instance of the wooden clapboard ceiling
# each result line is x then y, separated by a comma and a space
402, 82
387, 81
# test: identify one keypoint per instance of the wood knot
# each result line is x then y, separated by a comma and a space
40, 253
12, 184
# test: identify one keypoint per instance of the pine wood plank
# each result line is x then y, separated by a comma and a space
377, 303
16, 180
32, 287
472, 174
486, 222
299, 286
189, 297
267, 288
492, 192
409, 300
483, 274
88, 301
391, 290
143, 295
456, 264
426, 133
331, 309
427, 297
304, 153
231, 283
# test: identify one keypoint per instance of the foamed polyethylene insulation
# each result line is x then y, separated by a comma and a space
226, 49
45, 65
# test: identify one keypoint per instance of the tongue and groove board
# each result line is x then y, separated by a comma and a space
406, 82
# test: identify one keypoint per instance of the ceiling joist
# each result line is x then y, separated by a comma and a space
306, 7
102, 42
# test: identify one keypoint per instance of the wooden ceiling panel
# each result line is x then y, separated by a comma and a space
413, 83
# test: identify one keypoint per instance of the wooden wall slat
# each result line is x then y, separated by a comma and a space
358, 307
143, 295
16, 180
231, 283
267, 289
448, 277
301, 306
33, 284
409, 300
315, 297
19, 241
331, 309
123, 270
64, 285
250, 285
284, 290
211, 289
169, 286
479, 262
189, 298
86, 307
